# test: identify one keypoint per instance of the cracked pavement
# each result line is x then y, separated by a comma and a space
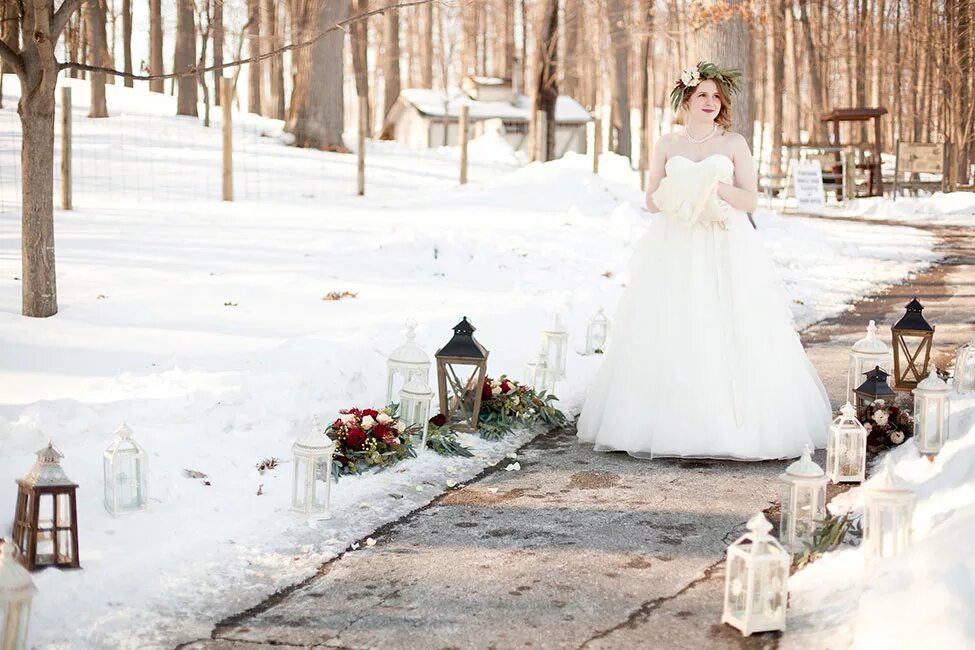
578, 549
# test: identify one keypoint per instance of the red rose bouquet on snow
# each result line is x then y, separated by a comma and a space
370, 437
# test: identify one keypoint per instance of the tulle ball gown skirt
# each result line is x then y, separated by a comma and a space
704, 361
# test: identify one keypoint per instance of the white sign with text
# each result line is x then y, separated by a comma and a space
808, 181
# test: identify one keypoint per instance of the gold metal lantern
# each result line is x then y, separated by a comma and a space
911, 337
461, 370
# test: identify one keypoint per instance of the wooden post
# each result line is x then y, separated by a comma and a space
66, 148
361, 153
849, 174
541, 130
226, 103
462, 141
597, 143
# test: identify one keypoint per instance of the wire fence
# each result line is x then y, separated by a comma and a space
136, 156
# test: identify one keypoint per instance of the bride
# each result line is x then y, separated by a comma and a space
704, 361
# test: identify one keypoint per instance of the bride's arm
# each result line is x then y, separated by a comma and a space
656, 171
743, 195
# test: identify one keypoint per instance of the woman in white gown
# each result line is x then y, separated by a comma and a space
704, 361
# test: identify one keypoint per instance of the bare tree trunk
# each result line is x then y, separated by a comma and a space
619, 77
156, 46
36, 67
469, 21
646, 81
777, 9
127, 40
318, 113
728, 40
572, 62
8, 32
217, 49
96, 36
185, 58
391, 72
508, 38
254, 49
814, 72
275, 65
359, 42
546, 79
426, 47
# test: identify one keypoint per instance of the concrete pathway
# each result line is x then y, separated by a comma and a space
577, 550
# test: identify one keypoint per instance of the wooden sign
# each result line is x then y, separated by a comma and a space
916, 157
807, 179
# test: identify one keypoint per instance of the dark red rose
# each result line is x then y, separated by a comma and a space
337, 424
355, 438
379, 431
371, 412
505, 386
486, 391
342, 459
438, 420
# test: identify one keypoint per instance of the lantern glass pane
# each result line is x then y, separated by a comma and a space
300, 480
598, 332
965, 370
129, 482
45, 545
805, 514
737, 587
65, 548
786, 525
321, 484
461, 388
63, 510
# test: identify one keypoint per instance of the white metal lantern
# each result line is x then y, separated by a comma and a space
597, 333
931, 409
803, 501
16, 593
406, 361
540, 375
888, 512
757, 571
846, 448
414, 406
866, 354
125, 474
312, 487
964, 381
555, 341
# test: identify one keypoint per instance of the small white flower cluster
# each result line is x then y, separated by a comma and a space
690, 77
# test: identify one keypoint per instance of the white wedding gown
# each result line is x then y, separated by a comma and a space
703, 361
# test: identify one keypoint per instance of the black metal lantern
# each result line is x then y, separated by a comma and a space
874, 388
46, 518
461, 369
911, 340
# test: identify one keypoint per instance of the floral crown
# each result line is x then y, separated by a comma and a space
728, 78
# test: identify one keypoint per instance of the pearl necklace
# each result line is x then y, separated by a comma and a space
714, 129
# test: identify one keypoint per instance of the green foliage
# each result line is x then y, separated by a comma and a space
829, 534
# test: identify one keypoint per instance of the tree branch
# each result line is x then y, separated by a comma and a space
194, 70
12, 58
62, 16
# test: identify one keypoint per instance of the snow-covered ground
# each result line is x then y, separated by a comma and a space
202, 325
922, 598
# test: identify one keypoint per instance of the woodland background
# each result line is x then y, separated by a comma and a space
801, 58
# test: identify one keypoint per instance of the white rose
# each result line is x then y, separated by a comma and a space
881, 417
368, 423
383, 418
400, 427
690, 77
347, 418
896, 437
496, 390
877, 404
